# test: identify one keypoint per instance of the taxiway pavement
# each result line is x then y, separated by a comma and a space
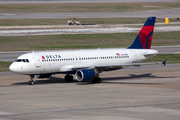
77, 1
138, 93
170, 13
90, 30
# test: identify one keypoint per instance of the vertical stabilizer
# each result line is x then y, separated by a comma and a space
144, 38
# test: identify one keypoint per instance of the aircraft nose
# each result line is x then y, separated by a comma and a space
12, 67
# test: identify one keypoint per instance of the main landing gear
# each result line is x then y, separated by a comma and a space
68, 78
96, 80
31, 82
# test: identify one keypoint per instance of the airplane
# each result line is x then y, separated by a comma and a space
87, 64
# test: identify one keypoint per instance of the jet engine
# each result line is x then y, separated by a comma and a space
86, 74
43, 75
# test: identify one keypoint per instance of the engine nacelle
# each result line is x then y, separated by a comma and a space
86, 74
43, 75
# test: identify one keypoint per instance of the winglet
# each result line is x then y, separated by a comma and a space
164, 62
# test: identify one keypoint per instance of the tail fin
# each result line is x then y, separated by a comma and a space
144, 38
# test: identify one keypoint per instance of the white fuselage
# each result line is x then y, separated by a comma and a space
64, 61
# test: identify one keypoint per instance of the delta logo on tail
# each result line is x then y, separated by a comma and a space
144, 38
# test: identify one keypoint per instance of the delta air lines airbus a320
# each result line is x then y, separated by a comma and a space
87, 64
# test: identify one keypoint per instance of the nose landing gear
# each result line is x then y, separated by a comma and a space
31, 82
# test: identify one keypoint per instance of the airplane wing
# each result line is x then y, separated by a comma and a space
119, 66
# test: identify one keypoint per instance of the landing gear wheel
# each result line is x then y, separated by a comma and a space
31, 82
68, 78
96, 80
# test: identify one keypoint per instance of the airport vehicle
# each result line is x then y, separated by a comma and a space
87, 64
73, 22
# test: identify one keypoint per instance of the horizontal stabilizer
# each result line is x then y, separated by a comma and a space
164, 62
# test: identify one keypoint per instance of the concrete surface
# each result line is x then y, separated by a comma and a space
77, 1
79, 30
170, 13
113, 29
145, 93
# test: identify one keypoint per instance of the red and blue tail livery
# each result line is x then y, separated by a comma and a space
144, 38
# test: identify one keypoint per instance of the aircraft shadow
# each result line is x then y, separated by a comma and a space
132, 76
130, 83
52, 80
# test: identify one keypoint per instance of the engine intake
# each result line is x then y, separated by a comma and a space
85, 74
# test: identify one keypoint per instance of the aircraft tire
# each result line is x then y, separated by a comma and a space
68, 78
31, 82
96, 80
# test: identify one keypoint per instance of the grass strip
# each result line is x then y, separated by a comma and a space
4, 66
171, 58
82, 41
63, 21
86, 7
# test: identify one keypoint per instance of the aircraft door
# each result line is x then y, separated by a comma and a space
37, 61
134, 56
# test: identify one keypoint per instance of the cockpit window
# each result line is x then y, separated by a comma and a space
22, 60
